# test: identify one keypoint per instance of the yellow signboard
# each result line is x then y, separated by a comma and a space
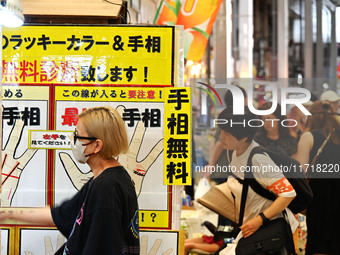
115, 55
177, 137
154, 219
103, 94
51, 74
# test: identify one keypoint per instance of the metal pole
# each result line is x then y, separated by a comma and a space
282, 42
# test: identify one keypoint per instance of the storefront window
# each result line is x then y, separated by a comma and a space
265, 39
296, 38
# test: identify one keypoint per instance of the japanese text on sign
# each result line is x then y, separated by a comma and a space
77, 93
91, 55
30, 115
150, 44
131, 116
177, 137
49, 139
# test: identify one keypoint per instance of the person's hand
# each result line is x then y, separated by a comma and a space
136, 169
251, 226
154, 249
13, 167
48, 245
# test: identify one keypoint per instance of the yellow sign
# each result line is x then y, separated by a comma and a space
115, 55
117, 94
177, 137
154, 219
52, 73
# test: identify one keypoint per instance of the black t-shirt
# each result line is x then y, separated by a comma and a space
102, 218
286, 144
323, 222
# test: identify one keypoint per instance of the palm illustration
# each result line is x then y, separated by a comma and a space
12, 167
136, 169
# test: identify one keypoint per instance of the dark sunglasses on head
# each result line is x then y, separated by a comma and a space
75, 137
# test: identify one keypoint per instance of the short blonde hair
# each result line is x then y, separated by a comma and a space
106, 124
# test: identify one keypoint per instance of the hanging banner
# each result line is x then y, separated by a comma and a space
197, 18
167, 12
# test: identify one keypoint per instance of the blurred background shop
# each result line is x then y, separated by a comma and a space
264, 40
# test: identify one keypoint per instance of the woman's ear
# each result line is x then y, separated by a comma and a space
98, 145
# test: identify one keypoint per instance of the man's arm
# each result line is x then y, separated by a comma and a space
274, 209
41, 216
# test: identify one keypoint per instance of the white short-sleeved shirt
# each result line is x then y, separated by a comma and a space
274, 181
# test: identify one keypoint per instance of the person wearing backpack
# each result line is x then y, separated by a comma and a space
323, 135
237, 136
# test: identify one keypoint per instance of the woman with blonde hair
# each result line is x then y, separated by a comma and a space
323, 221
102, 218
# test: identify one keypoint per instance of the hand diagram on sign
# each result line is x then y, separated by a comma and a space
77, 177
136, 169
49, 246
154, 249
11, 167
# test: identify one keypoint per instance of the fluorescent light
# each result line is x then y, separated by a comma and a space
11, 13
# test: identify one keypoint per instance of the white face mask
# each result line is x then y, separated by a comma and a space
78, 148
78, 152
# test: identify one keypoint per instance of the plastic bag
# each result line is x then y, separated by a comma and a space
203, 187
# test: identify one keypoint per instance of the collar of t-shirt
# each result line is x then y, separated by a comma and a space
244, 156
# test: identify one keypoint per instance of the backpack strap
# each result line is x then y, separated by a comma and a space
243, 201
249, 179
252, 181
